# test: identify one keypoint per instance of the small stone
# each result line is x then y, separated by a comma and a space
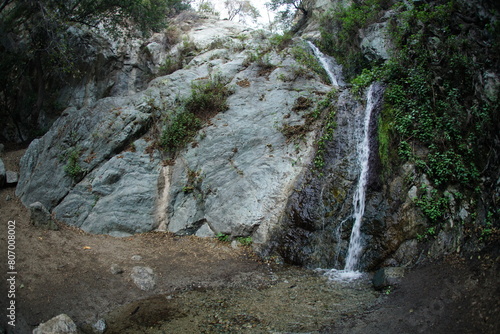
11, 178
116, 269
136, 257
8, 198
62, 324
144, 278
100, 326
40, 217
412, 193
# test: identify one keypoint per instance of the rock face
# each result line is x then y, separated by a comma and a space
40, 217
113, 67
375, 43
99, 167
118, 198
62, 324
316, 228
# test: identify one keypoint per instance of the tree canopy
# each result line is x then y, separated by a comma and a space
241, 8
287, 10
37, 46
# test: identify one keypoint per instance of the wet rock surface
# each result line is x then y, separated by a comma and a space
318, 221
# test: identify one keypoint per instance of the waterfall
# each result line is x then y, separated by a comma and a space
355, 246
355, 243
333, 70
363, 152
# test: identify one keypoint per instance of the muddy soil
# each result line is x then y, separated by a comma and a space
207, 286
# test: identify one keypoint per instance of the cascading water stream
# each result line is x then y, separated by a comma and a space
333, 70
355, 246
355, 242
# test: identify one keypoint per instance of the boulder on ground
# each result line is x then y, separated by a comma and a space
143, 277
62, 324
40, 217
388, 276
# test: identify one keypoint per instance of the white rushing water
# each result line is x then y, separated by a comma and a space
355, 246
355, 243
331, 67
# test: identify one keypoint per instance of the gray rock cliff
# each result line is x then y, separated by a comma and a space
98, 167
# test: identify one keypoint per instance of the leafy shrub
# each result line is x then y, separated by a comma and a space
281, 42
431, 82
245, 241
339, 33
180, 131
222, 237
170, 65
208, 98
73, 167
327, 112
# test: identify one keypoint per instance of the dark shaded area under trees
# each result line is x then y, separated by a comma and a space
39, 53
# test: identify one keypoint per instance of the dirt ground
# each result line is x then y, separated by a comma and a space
206, 286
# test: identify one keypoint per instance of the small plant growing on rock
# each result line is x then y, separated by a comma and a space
222, 237
180, 131
73, 167
245, 241
208, 98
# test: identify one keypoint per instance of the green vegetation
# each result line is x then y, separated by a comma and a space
430, 232
432, 103
434, 206
186, 50
223, 237
281, 41
287, 13
436, 115
325, 109
48, 39
180, 130
245, 241
340, 29
193, 183
73, 167
208, 97
305, 58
